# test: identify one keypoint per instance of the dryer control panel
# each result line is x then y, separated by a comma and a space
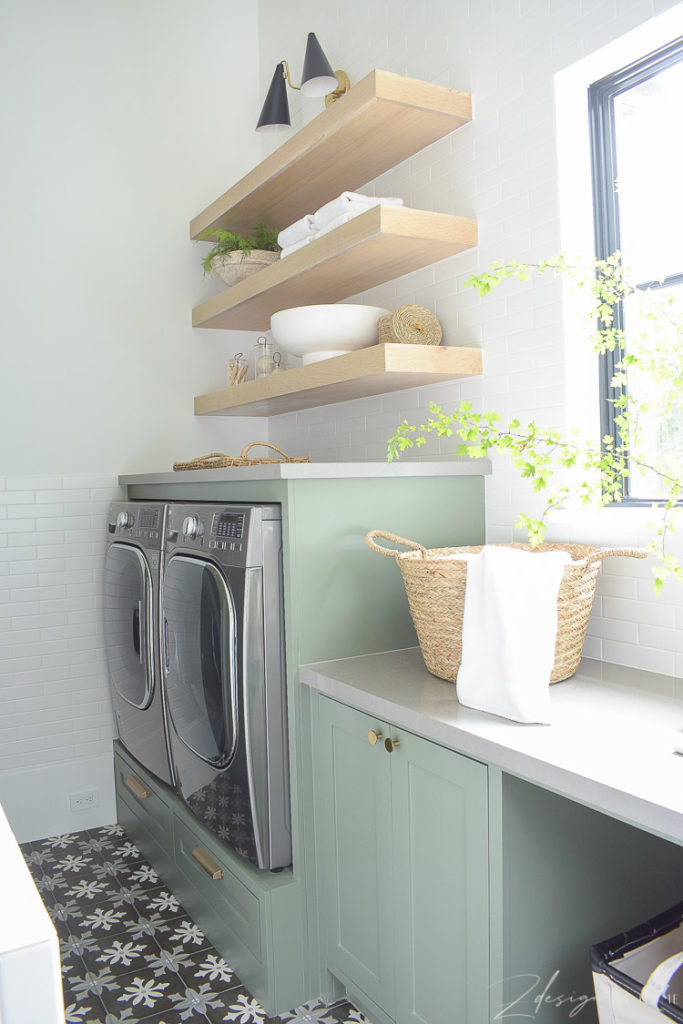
233, 534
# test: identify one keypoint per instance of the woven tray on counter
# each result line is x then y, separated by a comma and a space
217, 460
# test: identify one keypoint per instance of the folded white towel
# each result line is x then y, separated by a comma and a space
338, 221
350, 202
296, 232
295, 246
509, 631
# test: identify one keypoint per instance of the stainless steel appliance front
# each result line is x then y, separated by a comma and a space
131, 594
222, 636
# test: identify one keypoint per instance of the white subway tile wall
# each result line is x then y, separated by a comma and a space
54, 691
501, 169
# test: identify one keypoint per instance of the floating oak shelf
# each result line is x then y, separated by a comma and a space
382, 120
376, 370
381, 244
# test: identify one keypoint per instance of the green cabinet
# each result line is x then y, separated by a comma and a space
402, 851
252, 917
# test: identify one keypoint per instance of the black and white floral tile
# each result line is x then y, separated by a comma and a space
129, 951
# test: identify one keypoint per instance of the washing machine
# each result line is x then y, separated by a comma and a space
223, 663
135, 532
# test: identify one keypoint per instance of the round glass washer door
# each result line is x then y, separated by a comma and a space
128, 624
200, 658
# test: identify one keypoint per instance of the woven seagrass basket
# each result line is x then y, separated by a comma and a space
435, 581
217, 460
409, 325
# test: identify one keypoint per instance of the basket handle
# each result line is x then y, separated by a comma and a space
202, 459
267, 444
370, 541
601, 553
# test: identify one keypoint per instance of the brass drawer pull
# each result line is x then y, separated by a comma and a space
374, 737
136, 788
208, 863
390, 745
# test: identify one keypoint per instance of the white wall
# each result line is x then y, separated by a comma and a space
503, 170
120, 121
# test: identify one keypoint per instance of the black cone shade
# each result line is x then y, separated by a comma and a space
317, 77
275, 113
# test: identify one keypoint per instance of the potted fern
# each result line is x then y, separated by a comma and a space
234, 257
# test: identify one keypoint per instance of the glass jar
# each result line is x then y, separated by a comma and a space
238, 368
263, 358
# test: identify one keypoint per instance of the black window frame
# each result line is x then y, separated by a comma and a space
607, 239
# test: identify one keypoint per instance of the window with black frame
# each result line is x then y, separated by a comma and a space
637, 154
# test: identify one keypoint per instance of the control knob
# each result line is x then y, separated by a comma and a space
192, 527
124, 520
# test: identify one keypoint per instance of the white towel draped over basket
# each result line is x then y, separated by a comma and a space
509, 631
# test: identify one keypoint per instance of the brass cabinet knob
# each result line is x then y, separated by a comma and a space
374, 737
390, 745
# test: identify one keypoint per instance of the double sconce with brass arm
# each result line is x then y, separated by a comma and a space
317, 79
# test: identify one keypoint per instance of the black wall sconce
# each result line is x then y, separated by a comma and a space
317, 79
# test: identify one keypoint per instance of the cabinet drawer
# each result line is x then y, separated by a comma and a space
211, 876
143, 799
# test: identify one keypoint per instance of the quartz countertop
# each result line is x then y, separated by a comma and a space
610, 745
315, 471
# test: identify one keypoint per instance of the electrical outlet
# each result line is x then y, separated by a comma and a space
85, 800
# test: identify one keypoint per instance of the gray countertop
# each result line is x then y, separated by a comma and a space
610, 745
315, 471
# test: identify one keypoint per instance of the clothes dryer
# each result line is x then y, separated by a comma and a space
131, 609
224, 673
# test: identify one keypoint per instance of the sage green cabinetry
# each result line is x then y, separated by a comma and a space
402, 845
254, 918
341, 599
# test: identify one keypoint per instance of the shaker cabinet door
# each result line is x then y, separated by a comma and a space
402, 854
440, 856
353, 825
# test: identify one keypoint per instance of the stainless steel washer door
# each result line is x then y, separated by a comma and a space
199, 622
128, 617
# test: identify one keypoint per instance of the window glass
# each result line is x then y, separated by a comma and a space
637, 163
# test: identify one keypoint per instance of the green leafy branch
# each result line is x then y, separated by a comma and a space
572, 470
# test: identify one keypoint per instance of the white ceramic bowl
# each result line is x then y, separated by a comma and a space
320, 332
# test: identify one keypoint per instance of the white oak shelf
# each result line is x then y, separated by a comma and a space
381, 244
376, 370
383, 119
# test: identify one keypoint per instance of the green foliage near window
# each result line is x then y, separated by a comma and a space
261, 237
566, 468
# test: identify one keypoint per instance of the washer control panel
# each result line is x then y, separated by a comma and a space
136, 522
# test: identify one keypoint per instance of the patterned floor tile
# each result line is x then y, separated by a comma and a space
91, 890
161, 902
209, 968
346, 1013
130, 953
88, 1011
144, 994
184, 932
104, 921
121, 955
239, 1007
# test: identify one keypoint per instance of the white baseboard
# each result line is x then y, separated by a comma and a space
37, 801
